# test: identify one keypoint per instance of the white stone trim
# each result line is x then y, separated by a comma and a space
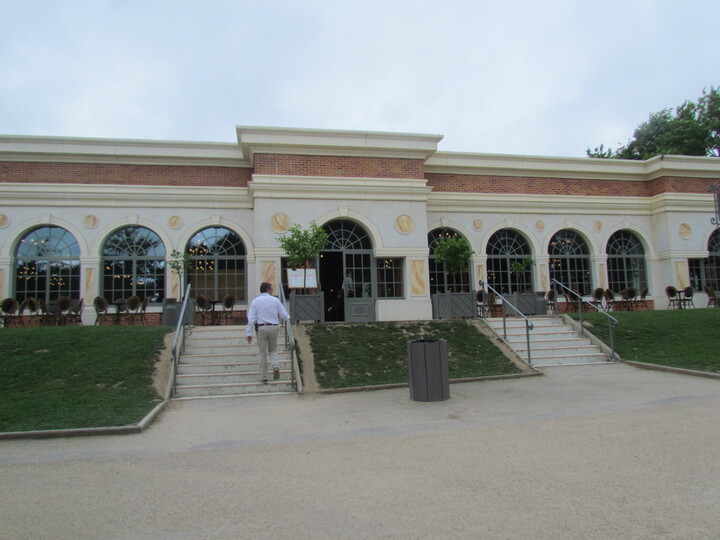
331, 142
122, 196
338, 188
122, 151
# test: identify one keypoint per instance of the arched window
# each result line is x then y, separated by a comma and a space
440, 280
47, 265
343, 234
570, 261
347, 263
626, 262
218, 264
707, 271
507, 264
133, 265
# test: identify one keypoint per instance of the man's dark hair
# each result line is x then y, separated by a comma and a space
264, 286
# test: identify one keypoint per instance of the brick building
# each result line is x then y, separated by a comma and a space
89, 217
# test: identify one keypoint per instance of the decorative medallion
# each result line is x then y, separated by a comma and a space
175, 222
280, 223
685, 231
404, 224
477, 224
4, 220
598, 226
540, 225
90, 221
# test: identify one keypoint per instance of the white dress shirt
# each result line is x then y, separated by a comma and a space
265, 309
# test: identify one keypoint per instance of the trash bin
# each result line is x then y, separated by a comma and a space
428, 370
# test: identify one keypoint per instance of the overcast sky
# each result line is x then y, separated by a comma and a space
502, 76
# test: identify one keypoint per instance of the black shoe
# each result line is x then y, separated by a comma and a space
264, 381
276, 373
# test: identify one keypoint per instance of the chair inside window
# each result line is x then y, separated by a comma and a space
63, 309
11, 315
643, 298
202, 315
228, 305
572, 302
597, 299
628, 295
101, 310
133, 309
75, 312
46, 317
609, 299
33, 308
712, 297
143, 310
687, 297
551, 301
674, 301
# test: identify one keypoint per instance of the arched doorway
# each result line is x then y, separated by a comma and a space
346, 273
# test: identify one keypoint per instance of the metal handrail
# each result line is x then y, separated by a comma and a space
612, 321
295, 378
179, 339
528, 325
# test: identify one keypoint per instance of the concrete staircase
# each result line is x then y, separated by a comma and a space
552, 342
218, 361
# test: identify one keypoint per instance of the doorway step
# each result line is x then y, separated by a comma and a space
552, 342
218, 362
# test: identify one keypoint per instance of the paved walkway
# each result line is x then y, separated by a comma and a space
604, 451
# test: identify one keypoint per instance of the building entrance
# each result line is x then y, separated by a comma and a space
346, 270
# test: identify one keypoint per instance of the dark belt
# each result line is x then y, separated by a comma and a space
266, 324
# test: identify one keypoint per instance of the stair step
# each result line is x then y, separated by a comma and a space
218, 362
201, 390
232, 377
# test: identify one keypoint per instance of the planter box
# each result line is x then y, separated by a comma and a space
454, 305
527, 303
307, 307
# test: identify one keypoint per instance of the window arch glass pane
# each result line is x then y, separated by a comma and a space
570, 261
626, 262
344, 234
441, 281
133, 262
218, 264
506, 249
47, 264
704, 272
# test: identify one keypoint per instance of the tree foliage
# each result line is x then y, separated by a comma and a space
303, 245
692, 130
453, 252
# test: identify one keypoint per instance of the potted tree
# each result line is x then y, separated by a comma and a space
453, 252
302, 247
526, 301
179, 264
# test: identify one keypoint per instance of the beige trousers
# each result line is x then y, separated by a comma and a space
267, 337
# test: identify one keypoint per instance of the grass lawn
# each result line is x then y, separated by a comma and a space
687, 338
77, 376
348, 355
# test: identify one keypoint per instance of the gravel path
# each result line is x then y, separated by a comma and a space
604, 451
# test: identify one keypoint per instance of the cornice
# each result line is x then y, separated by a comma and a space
331, 187
121, 151
109, 196
326, 142
580, 168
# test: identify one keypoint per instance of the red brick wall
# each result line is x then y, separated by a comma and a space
367, 167
108, 173
564, 186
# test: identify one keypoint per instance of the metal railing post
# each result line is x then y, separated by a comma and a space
612, 321
528, 325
